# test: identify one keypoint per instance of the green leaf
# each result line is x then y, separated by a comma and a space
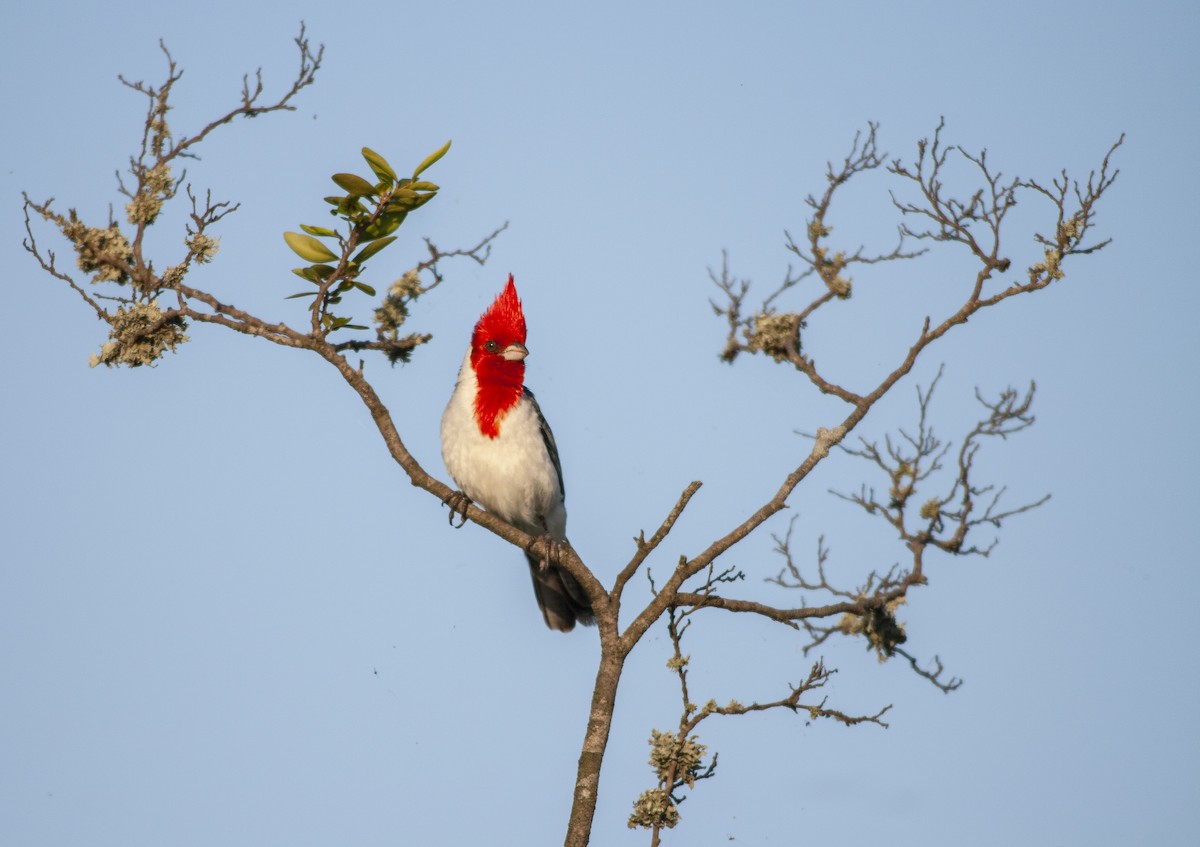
404, 198
355, 185
308, 248
365, 289
301, 294
345, 206
380, 165
342, 323
373, 248
431, 158
319, 230
408, 202
405, 201
314, 273
423, 186
385, 224
333, 324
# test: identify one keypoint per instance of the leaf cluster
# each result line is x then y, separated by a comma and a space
370, 210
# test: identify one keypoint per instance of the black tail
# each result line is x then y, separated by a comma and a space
560, 597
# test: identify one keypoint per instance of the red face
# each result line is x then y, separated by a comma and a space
502, 323
498, 357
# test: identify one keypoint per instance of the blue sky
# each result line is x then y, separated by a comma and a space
226, 618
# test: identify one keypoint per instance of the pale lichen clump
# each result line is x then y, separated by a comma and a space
831, 270
670, 754
157, 188
773, 333
879, 626
139, 336
158, 180
654, 808
675, 760
143, 209
101, 251
903, 481
840, 286
173, 275
1070, 231
393, 312
203, 248
827, 438
1067, 238
1051, 267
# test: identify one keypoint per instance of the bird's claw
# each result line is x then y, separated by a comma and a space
553, 551
458, 503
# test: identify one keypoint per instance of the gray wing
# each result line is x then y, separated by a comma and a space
562, 600
547, 439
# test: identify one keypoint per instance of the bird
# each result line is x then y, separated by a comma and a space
501, 453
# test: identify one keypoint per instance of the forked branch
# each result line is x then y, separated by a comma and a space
148, 308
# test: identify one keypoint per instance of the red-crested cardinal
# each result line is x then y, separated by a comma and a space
501, 453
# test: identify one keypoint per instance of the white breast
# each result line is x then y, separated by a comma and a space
511, 475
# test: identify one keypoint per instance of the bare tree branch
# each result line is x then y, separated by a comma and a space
128, 292
645, 548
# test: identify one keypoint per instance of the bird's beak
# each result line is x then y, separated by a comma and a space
515, 352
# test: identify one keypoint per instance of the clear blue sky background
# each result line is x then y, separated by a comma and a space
226, 618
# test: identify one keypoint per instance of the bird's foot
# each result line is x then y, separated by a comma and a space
458, 503
547, 550
552, 549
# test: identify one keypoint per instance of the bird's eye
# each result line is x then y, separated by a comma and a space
491, 346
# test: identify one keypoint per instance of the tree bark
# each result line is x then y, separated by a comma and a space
587, 780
